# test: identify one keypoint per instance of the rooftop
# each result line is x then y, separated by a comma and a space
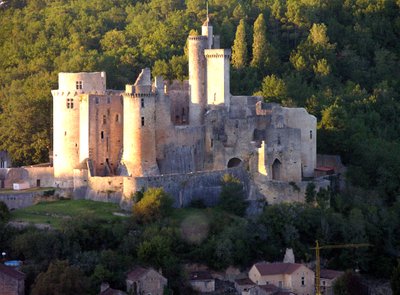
330, 274
11, 272
265, 268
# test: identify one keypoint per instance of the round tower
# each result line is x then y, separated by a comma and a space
197, 78
207, 30
66, 121
139, 154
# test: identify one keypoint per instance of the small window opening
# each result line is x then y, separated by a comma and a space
212, 143
108, 99
78, 84
107, 146
142, 121
96, 99
65, 133
70, 103
302, 281
279, 139
104, 119
102, 134
310, 134
142, 103
116, 118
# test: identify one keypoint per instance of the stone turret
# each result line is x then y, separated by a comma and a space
139, 154
218, 76
197, 78
207, 30
67, 137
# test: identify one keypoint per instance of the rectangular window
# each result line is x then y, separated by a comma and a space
302, 281
142, 121
70, 103
142, 103
102, 134
96, 99
78, 84
117, 118
310, 134
212, 143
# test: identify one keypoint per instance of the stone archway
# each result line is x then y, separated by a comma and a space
234, 162
276, 170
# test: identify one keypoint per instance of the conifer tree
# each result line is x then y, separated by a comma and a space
260, 46
239, 48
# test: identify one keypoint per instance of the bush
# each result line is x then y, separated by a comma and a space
154, 204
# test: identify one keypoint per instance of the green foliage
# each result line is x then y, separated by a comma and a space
310, 193
154, 205
395, 280
239, 48
61, 276
232, 197
4, 212
347, 284
274, 89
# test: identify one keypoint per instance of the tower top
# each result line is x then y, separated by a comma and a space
207, 21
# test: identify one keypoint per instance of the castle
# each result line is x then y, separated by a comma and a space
183, 136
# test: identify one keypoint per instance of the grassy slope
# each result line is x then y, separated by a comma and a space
54, 213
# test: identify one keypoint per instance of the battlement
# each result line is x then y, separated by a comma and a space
198, 38
217, 53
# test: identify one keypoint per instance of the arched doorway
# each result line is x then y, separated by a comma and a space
234, 162
276, 170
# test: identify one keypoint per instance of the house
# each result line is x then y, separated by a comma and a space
12, 282
292, 277
106, 290
145, 281
202, 281
327, 279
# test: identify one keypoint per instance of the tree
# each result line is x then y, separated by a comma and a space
348, 284
273, 89
4, 212
232, 197
155, 204
239, 48
310, 193
61, 278
260, 45
395, 280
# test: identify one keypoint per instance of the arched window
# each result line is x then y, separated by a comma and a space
276, 170
234, 162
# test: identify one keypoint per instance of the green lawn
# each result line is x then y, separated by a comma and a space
29, 190
54, 213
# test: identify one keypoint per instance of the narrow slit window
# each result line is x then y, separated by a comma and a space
102, 134
142, 121
142, 103
104, 119
310, 134
117, 118
96, 100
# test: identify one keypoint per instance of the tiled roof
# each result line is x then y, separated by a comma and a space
276, 268
136, 273
243, 282
11, 272
110, 291
330, 274
269, 287
200, 275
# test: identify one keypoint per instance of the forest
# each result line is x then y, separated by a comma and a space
337, 58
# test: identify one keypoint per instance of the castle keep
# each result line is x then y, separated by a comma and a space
183, 136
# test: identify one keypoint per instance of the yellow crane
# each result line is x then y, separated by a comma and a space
317, 249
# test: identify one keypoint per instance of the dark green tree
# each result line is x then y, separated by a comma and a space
239, 48
61, 278
395, 280
232, 197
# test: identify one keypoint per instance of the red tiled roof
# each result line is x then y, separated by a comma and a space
276, 268
330, 274
325, 168
11, 272
136, 273
200, 275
